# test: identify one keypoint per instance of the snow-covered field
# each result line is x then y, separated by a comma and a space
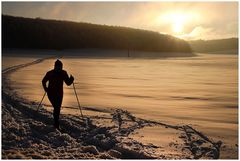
118, 131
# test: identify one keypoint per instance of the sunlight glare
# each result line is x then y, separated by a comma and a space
177, 27
177, 21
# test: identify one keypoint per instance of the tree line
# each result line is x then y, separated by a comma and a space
19, 32
214, 45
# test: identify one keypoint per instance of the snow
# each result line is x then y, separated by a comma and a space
28, 134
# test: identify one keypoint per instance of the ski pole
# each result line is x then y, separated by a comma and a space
77, 100
41, 101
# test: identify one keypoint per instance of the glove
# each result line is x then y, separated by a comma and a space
71, 78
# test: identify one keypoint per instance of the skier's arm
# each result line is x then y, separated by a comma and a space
44, 82
68, 80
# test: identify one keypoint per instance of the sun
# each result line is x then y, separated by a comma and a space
177, 27
178, 21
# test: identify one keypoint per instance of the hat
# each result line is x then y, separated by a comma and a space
58, 63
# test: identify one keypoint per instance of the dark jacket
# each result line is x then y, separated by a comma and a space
55, 81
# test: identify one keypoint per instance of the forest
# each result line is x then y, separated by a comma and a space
38, 33
219, 45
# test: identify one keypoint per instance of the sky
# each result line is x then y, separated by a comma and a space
186, 20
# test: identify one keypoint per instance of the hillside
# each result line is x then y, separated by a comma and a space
28, 33
224, 46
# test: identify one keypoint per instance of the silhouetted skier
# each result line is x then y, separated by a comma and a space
54, 90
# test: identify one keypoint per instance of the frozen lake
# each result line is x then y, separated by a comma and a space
201, 91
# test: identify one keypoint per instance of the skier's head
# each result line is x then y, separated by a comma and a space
58, 65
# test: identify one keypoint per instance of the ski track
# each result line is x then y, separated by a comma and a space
28, 134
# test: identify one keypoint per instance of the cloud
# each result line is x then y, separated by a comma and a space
207, 33
58, 9
198, 32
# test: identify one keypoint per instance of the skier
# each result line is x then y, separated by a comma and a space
55, 79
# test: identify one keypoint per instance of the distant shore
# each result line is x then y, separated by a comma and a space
94, 52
